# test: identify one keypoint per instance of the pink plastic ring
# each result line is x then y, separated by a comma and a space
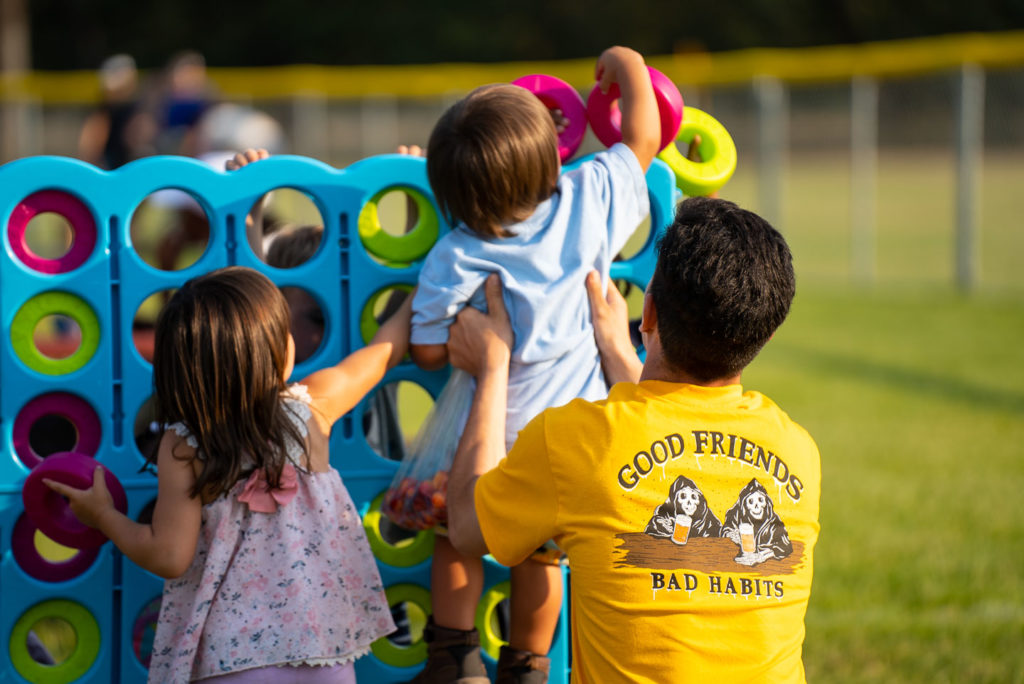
557, 94
75, 409
83, 226
606, 119
50, 511
28, 558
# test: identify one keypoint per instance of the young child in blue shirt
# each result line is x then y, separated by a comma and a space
493, 166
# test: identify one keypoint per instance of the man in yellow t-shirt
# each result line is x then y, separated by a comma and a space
688, 508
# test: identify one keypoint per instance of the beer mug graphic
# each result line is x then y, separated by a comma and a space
681, 531
747, 539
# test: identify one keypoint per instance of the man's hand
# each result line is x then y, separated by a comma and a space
480, 342
610, 316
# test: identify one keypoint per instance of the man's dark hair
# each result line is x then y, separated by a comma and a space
722, 285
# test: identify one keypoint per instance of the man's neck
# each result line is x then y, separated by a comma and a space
655, 368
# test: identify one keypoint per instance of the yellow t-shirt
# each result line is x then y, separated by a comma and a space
689, 515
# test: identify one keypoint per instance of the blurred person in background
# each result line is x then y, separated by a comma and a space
120, 129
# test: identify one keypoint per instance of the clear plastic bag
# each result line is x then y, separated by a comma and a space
418, 496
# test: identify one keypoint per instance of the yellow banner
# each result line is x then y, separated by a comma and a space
797, 65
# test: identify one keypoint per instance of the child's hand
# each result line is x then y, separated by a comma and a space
412, 150
243, 158
561, 122
641, 126
88, 505
693, 154
611, 64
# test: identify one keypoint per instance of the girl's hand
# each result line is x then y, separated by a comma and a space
244, 158
88, 505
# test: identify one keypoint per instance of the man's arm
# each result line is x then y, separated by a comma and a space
611, 332
479, 344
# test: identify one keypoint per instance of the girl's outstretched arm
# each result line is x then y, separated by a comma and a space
335, 390
167, 545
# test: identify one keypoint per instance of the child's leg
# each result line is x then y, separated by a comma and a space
536, 601
453, 644
456, 582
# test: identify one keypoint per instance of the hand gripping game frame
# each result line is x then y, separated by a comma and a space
48, 509
606, 119
557, 94
717, 152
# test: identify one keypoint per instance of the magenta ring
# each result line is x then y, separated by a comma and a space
557, 94
50, 511
83, 230
28, 558
606, 119
75, 409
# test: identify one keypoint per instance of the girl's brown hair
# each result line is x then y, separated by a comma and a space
492, 158
219, 364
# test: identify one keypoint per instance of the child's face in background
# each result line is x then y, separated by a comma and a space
307, 322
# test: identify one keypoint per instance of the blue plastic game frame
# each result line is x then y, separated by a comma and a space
115, 381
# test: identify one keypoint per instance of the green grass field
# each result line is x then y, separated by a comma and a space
915, 395
917, 404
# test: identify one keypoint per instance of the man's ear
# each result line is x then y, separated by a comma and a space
649, 317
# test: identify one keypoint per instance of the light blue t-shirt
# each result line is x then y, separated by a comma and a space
543, 265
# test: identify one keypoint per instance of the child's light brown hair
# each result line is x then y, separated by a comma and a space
493, 157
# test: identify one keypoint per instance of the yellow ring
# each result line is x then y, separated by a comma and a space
399, 250
399, 656
87, 646
490, 641
368, 324
716, 148
54, 303
406, 553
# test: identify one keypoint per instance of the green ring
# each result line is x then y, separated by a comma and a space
387, 652
717, 149
399, 248
407, 553
54, 303
368, 324
490, 641
87, 647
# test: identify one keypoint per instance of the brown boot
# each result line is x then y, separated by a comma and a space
521, 667
453, 657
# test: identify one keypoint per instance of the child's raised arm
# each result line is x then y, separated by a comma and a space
641, 126
337, 389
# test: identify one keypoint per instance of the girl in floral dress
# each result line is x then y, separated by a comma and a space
269, 574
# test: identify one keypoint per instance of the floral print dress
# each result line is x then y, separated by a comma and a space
282, 577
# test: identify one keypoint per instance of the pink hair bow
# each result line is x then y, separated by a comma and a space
262, 500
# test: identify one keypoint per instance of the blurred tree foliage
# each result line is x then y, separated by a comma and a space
69, 34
